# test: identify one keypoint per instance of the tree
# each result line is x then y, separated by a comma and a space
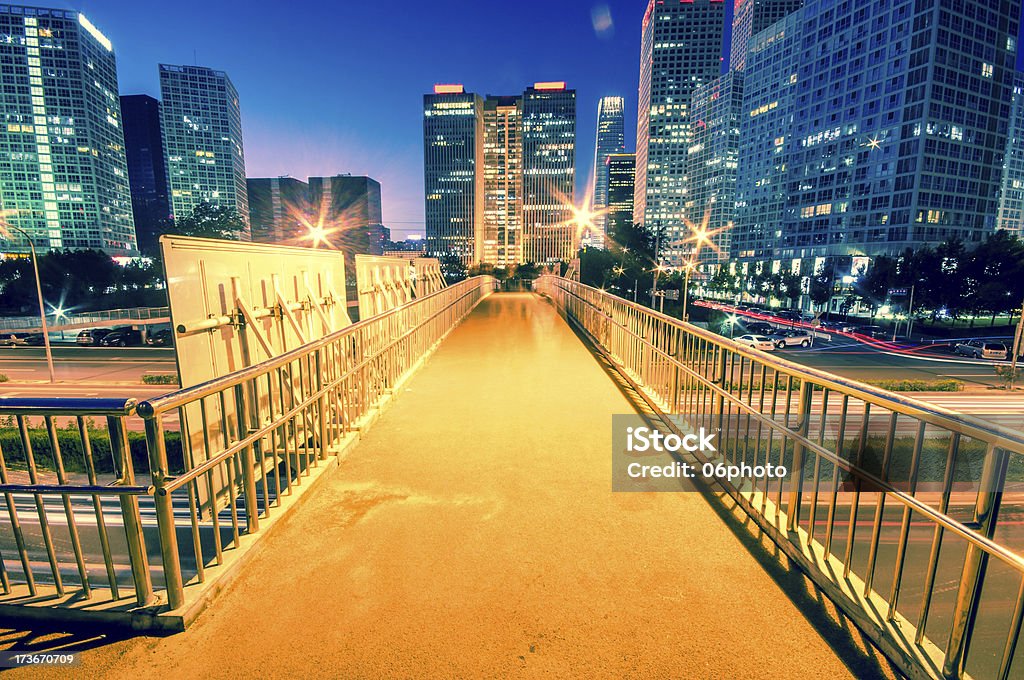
210, 221
792, 288
452, 267
822, 286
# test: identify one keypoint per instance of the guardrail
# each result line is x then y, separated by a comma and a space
220, 457
860, 459
77, 319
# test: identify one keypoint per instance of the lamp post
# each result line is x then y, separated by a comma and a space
39, 296
1018, 338
686, 287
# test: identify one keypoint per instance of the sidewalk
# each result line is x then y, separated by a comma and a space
473, 533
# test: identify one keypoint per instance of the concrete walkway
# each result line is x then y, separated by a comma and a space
474, 533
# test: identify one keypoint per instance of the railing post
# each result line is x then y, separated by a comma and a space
164, 510
968, 596
796, 477
252, 522
125, 471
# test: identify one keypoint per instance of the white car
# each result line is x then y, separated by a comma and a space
762, 342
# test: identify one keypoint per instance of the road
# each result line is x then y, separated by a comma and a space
86, 364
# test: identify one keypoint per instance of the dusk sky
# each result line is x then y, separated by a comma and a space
337, 87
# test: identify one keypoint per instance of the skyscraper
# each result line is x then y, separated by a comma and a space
883, 146
549, 173
750, 17
279, 211
716, 110
453, 146
1011, 192
610, 139
63, 173
202, 129
621, 172
681, 46
503, 181
147, 175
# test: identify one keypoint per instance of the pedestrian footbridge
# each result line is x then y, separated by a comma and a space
433, 491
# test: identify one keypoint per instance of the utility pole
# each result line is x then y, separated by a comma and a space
657, 263
910, 313
1018, 337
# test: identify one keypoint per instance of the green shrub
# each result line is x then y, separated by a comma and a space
3, 378
947, 385
72, 452
160, 379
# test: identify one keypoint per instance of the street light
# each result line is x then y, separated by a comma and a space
686, 286
39, 295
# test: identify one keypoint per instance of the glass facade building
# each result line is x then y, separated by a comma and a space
202, 129
549, 173
621, 171
1011, 192
147, 175
453, 147
279, 210
610, 139
749, 18
681, 46
63, 172
716, 110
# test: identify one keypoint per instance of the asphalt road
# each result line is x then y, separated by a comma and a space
85, 364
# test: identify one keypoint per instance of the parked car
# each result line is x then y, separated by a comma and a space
13, 339
35, 340
92, 336
840, 326
128, 337
762, 342
162, 338
759, 328
875, 332
788, 315
789, 338
742, 308
981, 349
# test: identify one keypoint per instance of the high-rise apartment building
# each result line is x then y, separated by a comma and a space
279, 211
63, 173
503, 181
716, 108
889, 131
1011, 192
147, 175
611, 139
749, 18
202, 130
681, 46
453, 149
549, 173
621, 172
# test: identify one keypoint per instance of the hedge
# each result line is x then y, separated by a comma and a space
72, 451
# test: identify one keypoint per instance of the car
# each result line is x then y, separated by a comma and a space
92, 336
788, 315
757, 310
122, 338
788, 338
759, 328
874, 332
162, 338
761, 342
981, 349
742, 308
13, 339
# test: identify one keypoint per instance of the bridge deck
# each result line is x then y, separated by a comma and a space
474, 533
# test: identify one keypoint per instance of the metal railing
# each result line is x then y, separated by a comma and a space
220, 457
892, 505
81, 319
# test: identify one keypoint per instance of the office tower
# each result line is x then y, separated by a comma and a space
503, 181
348, 208
147, 176
63, 173
549, 173
621, 172
1011, 193
750, 17
888, 147
610, 139
681, 46
279, 211
202, 128
769, 89
715, 113
453, 146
